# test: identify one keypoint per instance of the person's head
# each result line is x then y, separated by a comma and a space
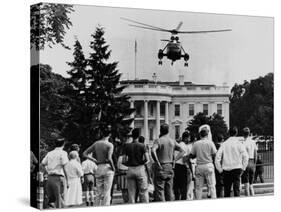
246, 132
141, 139
185, 136
135, 133
209, 130
233, 131
204, 132
75, 147
73, 155
164, 129
106, 131
220, 138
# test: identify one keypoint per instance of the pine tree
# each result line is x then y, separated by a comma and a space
98, 100
111, 107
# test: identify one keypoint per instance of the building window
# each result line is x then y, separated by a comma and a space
177, 132
151, 134
162, 109
138, 110
205, 109
177, 110
191, 110
151, 109
219, 109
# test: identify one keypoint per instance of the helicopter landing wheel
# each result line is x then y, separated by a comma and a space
186, 64
160, 62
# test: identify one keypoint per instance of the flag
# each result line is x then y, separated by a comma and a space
135, 46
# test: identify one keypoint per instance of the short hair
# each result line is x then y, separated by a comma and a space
220, 138
164, 129
141, 139
59, 142
233, 131
106, 131
185, 134
74, 147
73, 154
135, 133
203, 132
246, 131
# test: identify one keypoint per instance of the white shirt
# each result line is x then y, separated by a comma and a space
89, 167
73, 169
251, 147
187, 150
231, 155
55, 160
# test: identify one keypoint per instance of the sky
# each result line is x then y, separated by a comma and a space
244, 53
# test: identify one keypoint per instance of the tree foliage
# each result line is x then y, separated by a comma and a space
99, 101
216, 123
54, 105
251, 104
48, 24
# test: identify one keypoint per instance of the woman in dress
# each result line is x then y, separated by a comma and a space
74, 172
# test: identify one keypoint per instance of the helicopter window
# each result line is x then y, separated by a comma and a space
205, 109
219, 109
191, 109
177, 110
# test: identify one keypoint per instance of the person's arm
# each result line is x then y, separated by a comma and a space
218, 160
64, 161
109, 157
79, 170
255, 154
180, 154
192, 154
154, 154
88, 151
245, 157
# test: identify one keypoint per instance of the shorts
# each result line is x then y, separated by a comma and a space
89, 182
249, 174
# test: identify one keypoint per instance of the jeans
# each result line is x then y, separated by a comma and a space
104, 179
164, 183
232, 177
205, 172
137, 181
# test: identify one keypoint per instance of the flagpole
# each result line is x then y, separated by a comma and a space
135, 59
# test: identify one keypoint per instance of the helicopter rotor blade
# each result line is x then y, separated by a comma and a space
165, 40
207, 31
147, 25
179, 26
143, 27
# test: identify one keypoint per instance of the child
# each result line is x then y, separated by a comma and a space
89, 169
259, 170
73, 171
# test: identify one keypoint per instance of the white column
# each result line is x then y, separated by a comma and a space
167, 112
133, 114
157, 118
145, 125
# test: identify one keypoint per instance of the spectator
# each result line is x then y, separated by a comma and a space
219, 176
74, 172
259, 170
231, 160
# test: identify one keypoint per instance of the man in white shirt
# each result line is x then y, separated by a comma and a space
231, 159
54, 163
248, 175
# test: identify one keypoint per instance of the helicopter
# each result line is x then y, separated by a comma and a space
173, 49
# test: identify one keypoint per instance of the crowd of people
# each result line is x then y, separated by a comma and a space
168, 170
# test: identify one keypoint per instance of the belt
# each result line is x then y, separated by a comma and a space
166, 163
55, 175
89, 174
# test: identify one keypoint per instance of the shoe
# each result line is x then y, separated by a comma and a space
92, 204
87, 203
